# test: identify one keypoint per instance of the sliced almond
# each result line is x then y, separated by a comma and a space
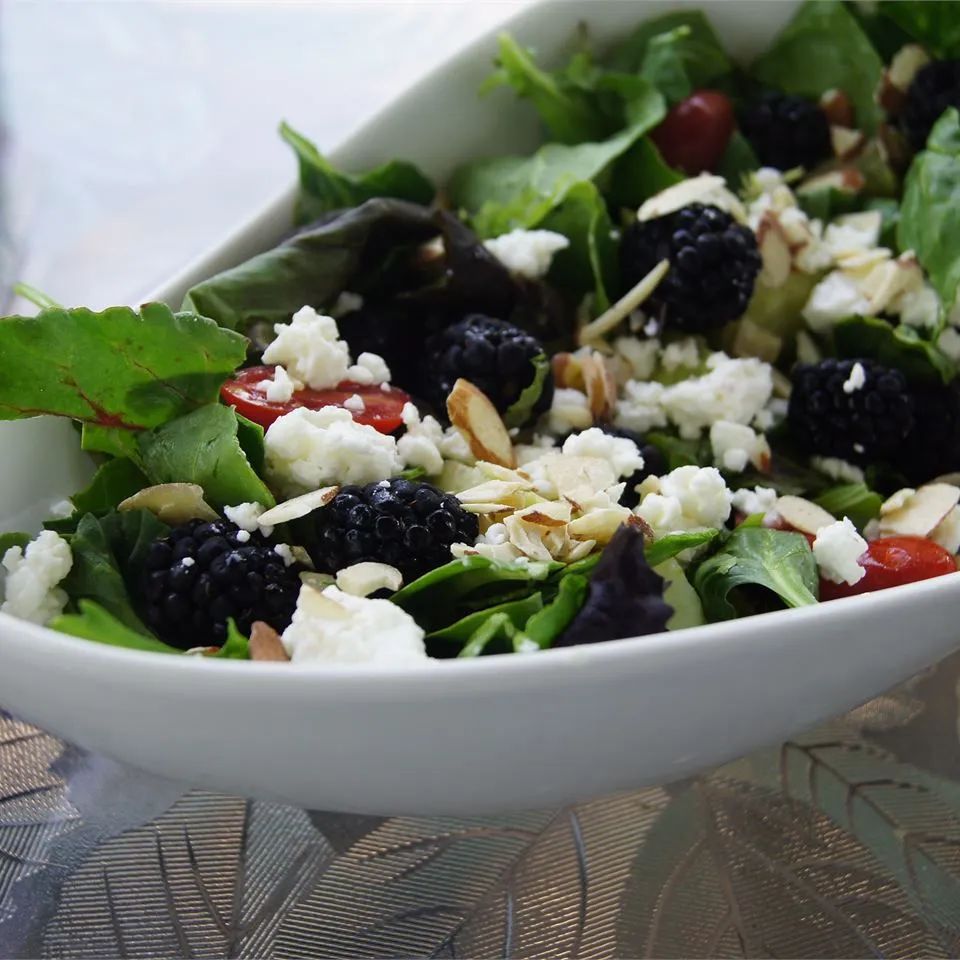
578, 550
803, 515
579, 477
265, 643
922, 512
493, 491
906, 64
896, 501
319, 581
617, 312
553, 513
318, 606
600, 386
362, 579
486, 509
297, 507
706, 188
838, 107
472, 412
599, 525
172, 503
526, 539
774, 251
567, 373
494, 471
846, 143
847, 179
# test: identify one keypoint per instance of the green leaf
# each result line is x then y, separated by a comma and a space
324, 188
521, 410
640, 173
825, 202
203, 448
673, 543
679, 452
110, 440
498, 628
37, 297
116, 368
854, 500
890, 211
547, 624
824, 48
779, 561
113, 482
930, 211
680, 595
93, 622
108, 558
236, 646
738, 160
933, 24
13, 539
901, 347
460, 632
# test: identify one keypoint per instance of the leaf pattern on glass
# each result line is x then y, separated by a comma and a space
212, 877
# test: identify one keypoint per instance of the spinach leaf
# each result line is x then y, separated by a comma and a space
854, 500
679, 452
930, 211
203, 447
93, 622
673, 543
236, 646
738, 160
640, 173
323, 188
900, 346
496, 629
544, 626
114, 441
825, 202
116, 368
460, 632
113, 482
520, 411
680, 595
13, 539
108, 557
933, 24
779, 561
824, 48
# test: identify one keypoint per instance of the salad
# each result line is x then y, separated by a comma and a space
693, 359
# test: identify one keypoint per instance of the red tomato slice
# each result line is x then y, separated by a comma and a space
694, 134
382, 408
892, 561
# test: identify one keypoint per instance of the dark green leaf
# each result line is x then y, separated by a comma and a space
640, 173
460, 632
738, 160
113, 482
521, 410
825, 202
901, 347
324, 188
933, 23
824, 48
854, 500
546, 625
779, 561
203, 448
236, 646
37, 297
674, 543
683, 59
679, 452
13, 539
930, 211
497, 629
116, 368
110, 440
93, 622
890, 211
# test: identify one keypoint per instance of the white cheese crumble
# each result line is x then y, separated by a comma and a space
355, 404
837, 469
920, 308
285, 552
735, 445
310, 449
949, 343
188, 562
569, 410
369, 368
527, 253
243, 536
32, 577
334, 627
620, 452
681, 354
833, 299
837, 549
281, 388
311, 349
690, 498
247, 517
641, 406
426, 444
758, 500
856, 380
347, 302
638, 358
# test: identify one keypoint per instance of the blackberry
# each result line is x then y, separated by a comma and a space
786, 131
865, 424
405, 523
201, 574
493, 355
932, 447
714, 262
935, 87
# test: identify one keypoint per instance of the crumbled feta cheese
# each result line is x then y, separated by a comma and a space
310, 449
838, 469
311, 349
355, 404
347, 302
496, 533
527, 253
690, 498
285, 552
247, 517
620, 452
569, 410
947, 532
856, 380
426, 444
639, 357
735, 445
920, 308
833, 299
243, 536
758, 500
369, 368
62, 509
837, 549
281, 388
32, 577
188, 562
641, 406
853, 233
334, 627
683, 353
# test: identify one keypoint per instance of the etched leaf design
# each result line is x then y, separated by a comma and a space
212, 877
732, 869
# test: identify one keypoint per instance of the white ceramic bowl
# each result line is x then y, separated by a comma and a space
482, 735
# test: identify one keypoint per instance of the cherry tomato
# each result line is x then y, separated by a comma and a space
382, 408
892, 561
694, 134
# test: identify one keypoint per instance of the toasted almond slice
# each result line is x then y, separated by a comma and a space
861, 262
638, 523
318, 581
470, 409
774, 251
953, 478
847, 179
578, 477
922, 513
577, 550
318, 606
838, 107
202, 651
173, 503
526, 539
495, 472
897, 501
846, 143
599, 525
803, 515
752, 340
600, 386
491, 491
483, 509
905, 65
706, 188
567, 372
619, 311
550, 513
362, 579
265, 643
297, 507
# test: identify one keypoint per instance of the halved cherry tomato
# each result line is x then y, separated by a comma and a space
892, 561
694, 134
381, 408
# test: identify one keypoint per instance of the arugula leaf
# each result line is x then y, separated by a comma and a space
823, 48
673, 543
113, 482
738, 160
854, 500
775, 559
930, 211
236, 646
680, 595
460, 632
521, 410
933, 24
640, 173
203, 447
625, 597
93, 622
323, 188
108, 554
544, 626
900, 346
116, 368
13, 539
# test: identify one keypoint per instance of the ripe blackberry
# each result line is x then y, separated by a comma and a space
493, 355
830, 416
714, 262
201, 574
407, 524
786, 131
935, 87
932, 447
